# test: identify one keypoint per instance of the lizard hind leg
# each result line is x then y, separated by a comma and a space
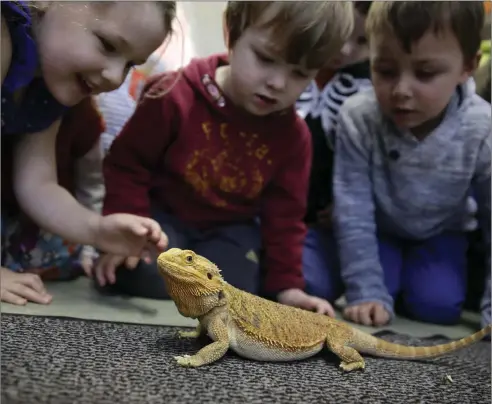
350, 358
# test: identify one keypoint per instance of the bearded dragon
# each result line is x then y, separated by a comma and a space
264, 330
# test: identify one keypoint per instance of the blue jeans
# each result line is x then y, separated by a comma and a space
232, 248
429, 277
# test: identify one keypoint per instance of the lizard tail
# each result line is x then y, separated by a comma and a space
375, 346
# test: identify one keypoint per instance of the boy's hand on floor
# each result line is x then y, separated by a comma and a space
19, 288
299, 298
369, 314
129, 235
105, 269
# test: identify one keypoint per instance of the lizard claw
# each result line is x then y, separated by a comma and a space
349, 366
184, 360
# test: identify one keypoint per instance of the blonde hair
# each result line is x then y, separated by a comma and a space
303, 32
168, 9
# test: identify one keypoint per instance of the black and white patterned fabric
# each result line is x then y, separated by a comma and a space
319, 108
324, 104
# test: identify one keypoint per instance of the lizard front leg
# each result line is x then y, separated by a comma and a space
350, 358
191, 334
212, 352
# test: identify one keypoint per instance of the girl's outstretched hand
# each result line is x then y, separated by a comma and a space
129, 235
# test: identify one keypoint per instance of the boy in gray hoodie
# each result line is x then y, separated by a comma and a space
408, 152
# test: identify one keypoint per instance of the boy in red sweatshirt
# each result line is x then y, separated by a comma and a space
218, 156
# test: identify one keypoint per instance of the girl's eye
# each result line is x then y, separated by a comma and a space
106, 45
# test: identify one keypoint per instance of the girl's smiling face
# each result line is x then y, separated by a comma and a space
88, 48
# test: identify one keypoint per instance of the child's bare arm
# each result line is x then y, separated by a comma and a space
54, 209
36, 187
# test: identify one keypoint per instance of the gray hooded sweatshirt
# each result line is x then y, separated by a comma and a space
387, 181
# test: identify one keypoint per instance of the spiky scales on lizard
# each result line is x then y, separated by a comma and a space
263, 330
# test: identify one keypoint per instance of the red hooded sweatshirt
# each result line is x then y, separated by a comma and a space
209, 163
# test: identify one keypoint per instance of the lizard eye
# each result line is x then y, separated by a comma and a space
189, 259
209, 275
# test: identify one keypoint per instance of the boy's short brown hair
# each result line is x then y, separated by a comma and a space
304, 32
410, 20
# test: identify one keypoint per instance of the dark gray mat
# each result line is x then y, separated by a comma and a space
71, 361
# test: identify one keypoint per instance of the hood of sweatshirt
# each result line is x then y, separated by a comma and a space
200, 74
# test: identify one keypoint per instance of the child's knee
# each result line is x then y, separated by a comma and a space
320, 281
436, 308
320, 269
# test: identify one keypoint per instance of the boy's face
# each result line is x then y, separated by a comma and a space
88, 48
260, 81
413, 89
356, 49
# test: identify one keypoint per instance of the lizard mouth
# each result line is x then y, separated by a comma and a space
169, 271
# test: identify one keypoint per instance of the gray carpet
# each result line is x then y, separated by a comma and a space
71, 361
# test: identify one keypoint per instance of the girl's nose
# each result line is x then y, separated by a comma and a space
113, 76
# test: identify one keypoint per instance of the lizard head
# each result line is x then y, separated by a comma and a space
192, 281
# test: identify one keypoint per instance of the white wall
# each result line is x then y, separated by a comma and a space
204, 20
